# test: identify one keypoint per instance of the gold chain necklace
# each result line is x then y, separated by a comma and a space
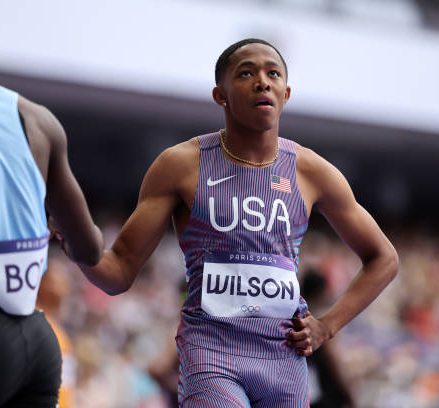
222, 133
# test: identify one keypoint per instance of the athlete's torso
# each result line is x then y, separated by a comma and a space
23, 226
244, 233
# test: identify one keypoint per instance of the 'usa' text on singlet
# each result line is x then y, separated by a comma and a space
279, 213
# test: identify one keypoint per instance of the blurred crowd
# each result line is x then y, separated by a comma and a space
119, 352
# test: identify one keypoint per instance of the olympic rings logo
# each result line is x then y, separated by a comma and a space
250, 309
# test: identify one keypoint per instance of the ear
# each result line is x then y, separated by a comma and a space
218, 96
287, 94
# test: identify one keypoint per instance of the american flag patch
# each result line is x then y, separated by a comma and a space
280, 184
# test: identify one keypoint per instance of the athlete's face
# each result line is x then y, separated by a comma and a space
254, 87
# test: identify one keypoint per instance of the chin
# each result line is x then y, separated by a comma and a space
259, 123
264, 126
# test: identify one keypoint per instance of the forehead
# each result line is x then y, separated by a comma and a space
255, 53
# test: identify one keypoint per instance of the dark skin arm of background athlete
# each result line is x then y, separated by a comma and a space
65, 201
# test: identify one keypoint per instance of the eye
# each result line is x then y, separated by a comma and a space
245, 74
274, 74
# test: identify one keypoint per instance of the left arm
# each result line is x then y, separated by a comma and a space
334, 199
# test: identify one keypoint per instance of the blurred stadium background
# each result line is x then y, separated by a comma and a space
128, 79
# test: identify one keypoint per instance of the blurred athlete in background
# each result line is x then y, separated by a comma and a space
34, 171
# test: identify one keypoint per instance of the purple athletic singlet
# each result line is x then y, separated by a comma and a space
241, 247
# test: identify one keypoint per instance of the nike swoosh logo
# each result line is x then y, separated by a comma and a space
211, 182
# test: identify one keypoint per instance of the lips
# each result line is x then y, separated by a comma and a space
264, 102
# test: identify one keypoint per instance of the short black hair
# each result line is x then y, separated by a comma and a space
223, 60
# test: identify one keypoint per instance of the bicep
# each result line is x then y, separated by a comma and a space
143, 230
355, 226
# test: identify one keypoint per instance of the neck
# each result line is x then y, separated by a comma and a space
258, 157
251, 144
251, 136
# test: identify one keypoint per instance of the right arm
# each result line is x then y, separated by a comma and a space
65, 200
158, 199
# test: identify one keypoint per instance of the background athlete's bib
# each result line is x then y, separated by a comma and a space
249, 285
21, 269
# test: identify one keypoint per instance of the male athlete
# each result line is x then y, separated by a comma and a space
240, 200
34, 170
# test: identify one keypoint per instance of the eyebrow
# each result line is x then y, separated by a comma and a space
252, 64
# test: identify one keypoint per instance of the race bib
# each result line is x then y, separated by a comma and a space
21, 269
249, 285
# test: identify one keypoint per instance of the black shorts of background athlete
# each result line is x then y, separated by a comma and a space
30, 356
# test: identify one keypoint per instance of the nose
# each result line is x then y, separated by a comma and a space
262, 83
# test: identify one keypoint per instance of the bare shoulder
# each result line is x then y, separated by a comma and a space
179, 160
308, 161
41, 121
173, 170
46, 136
319, 179
182, 154
314, 167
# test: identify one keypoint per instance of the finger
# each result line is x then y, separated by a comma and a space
298, 323
302, 345
53, 232
56, 235
305, 352
51, 223
298, 336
